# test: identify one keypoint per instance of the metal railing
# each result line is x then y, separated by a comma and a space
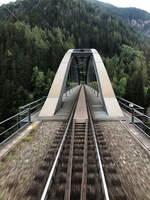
138, 118
68, 90
10, 126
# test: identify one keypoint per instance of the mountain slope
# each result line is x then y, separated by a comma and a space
90, 25
137, 18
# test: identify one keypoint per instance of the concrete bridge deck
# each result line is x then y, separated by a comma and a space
81, 114
99, 112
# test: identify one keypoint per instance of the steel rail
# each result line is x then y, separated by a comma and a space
84, 174
69, 170
104, 185
49, 180
55, 162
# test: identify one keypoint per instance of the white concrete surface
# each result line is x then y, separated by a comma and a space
111, 104
81, 114
55, 94
68, 101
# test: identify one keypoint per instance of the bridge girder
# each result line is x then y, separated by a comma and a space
54, 99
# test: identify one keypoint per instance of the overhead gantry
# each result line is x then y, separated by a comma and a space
54, 99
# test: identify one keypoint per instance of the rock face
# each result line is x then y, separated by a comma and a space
142, 25
137, 18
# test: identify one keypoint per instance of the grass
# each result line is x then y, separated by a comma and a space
26, 140
8, 156
73, 84
1, 168
93, 84
34, 127
37, 150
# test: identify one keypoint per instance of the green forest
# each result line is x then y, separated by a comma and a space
34, 36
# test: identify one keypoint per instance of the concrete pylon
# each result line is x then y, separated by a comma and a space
54, 99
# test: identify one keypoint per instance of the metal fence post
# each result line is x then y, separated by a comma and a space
20, 118
132, 111
18, 123
69, 90
29, 114
132, 114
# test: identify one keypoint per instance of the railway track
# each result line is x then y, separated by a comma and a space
77, 170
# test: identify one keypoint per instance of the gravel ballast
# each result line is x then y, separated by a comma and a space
18, 167
131, 160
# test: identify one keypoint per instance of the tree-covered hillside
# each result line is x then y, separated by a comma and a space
88, 23
137, 18
34, 35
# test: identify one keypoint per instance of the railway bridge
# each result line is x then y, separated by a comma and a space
86, 66
85, 145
